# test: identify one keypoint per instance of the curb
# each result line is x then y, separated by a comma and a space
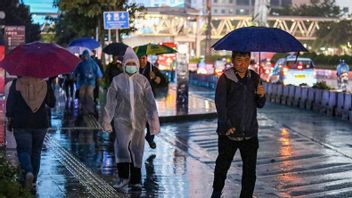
188, 117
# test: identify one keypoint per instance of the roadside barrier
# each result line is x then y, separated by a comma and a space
303, 97
340, 104
328, 102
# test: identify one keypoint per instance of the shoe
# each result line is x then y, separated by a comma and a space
28, 181
152, 144
136, 186
216, 194
120, 183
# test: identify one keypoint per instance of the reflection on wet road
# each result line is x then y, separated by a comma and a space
301, 154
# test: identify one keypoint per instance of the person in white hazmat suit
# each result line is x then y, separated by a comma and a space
130, 104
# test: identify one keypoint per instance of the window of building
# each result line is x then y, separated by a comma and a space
230, 1
215, 10
243, 2
242, 11
223, 11
286, 2
230, 11
215, 1
275, 2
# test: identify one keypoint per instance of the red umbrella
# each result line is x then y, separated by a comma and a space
39, 60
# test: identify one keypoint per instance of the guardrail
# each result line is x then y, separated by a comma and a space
328, 102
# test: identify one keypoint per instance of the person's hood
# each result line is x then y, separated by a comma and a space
130, 56
33, 91
86, 54
230, 74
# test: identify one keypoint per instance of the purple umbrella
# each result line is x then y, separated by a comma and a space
39, 60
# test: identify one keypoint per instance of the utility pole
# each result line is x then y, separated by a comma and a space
261, 12
208, 31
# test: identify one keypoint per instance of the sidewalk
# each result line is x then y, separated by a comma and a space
77, 158
301, 154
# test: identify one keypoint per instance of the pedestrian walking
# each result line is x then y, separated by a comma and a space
88, 73
113, 69
130, 104
239, 93
99, 63
28, 118
68, 86
156, 80
342, 73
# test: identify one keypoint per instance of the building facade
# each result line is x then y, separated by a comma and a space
218, 7
298, 3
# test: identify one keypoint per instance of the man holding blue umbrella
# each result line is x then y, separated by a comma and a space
238, 95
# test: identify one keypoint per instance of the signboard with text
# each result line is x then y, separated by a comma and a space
14, 36
116, 20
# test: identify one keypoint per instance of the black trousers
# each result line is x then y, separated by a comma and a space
69, 87
148, 136
124, 170
227, 149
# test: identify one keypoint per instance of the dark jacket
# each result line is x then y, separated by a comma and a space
236, 103
146, 72
112, 70
20, 113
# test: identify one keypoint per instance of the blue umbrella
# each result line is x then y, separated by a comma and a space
259, 39
85, 42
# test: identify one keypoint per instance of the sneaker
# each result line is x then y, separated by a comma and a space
152, 144
216, 194
120, 183
28, 180
136, 186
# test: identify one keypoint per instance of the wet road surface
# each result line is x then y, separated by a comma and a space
301, 154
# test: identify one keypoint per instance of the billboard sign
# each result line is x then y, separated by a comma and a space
14, 36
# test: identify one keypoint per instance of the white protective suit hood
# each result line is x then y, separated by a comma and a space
130, 56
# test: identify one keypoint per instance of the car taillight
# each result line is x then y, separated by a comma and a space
299, 67
267, 71
284, 71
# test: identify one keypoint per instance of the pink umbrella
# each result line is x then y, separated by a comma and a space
39, 60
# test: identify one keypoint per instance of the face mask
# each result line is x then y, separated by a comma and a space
131, 69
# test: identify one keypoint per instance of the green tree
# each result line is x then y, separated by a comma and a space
18, 14
317, 8
81, 17
334, 34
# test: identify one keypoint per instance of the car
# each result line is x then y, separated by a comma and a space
294, 71
265, 70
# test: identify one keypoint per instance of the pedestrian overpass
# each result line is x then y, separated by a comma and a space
190, 28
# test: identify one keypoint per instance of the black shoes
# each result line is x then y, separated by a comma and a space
152, 144
216, 194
